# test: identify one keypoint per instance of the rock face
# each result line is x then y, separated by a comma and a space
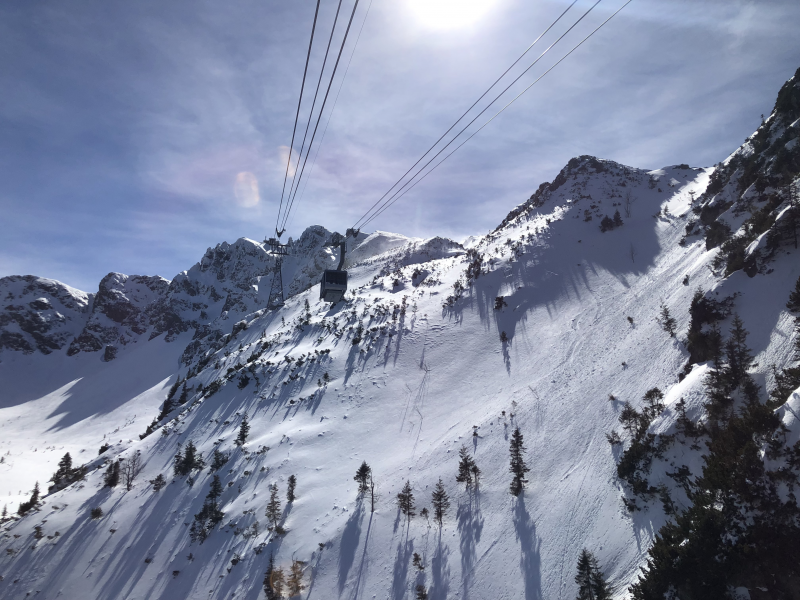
38, 314
229, 282
122, 312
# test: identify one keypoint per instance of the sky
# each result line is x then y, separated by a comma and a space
134, 135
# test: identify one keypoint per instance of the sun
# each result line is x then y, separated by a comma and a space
449, 14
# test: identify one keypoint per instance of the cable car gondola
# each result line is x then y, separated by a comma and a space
333, 284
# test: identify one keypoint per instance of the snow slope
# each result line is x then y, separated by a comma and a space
417, 367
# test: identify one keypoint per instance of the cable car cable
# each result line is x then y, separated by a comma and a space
502, 109
389, 201
324, 101
333, 108
316, 93
297, 113
473, 106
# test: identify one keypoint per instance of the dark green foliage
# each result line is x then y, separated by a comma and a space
421, 593
66, 475
635, 462
440, 502
590, 579
244, 431
701, 342
716, 234
667, 321
210, 515
274, 506
500, 303
517, 467
793, 305
290, 495
405, 501
96, 513
466, 468
606, 224
363, 476
187, 460
741, 529
103, 448
32, 503
158, 483
417, 562
244, 380
617, 219
184, 394
218, 459
269, 580
111, 478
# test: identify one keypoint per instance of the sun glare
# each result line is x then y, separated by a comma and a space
449, 14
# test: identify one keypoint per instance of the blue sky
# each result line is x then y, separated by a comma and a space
134, 135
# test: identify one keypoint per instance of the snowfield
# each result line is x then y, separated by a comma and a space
416, 367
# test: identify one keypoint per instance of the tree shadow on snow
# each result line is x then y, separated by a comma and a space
470, 526
349, 544
440, 572
530, 561
405, 550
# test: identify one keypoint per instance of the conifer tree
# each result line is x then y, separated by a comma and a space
184, 394
274, 505
111, 478
189, 460
617, 219
667, 321
363, 476
793, 305
244, 431
4, 514
218, 460
269, 576
440, 502
738, 355
466, 467
591, 582
405, 500
417, 562
158, 483
518, 467
290, 489
173, 389
294, 584
422, 593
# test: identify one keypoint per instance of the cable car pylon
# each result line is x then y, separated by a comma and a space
278, 250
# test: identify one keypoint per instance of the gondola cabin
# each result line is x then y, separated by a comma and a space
333, 285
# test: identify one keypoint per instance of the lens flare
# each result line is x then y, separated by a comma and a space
246, 189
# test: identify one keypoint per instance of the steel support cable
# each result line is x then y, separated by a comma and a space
324, 101
502, 109
521, 56
390, 200
333, 108
316, 93
297, 114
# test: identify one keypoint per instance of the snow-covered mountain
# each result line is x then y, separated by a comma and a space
553, 323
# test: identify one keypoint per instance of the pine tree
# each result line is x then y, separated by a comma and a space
667, 321
793, 305
294, 584
188, 460
417, 562
218, 460
269, 576
465, 467
363, 476
290, 489
111, 478
64, 469
422, 593
173, 389
158, 483
738, 355
4, 514
591, 582
274, 505
405, 500
617, 219
184, 394
518, 467
440, 502
244, 431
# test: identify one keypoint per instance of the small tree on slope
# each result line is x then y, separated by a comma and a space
405, 500
440, 502
518, 467
466, 468
591, 582
274, 505
244, 431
